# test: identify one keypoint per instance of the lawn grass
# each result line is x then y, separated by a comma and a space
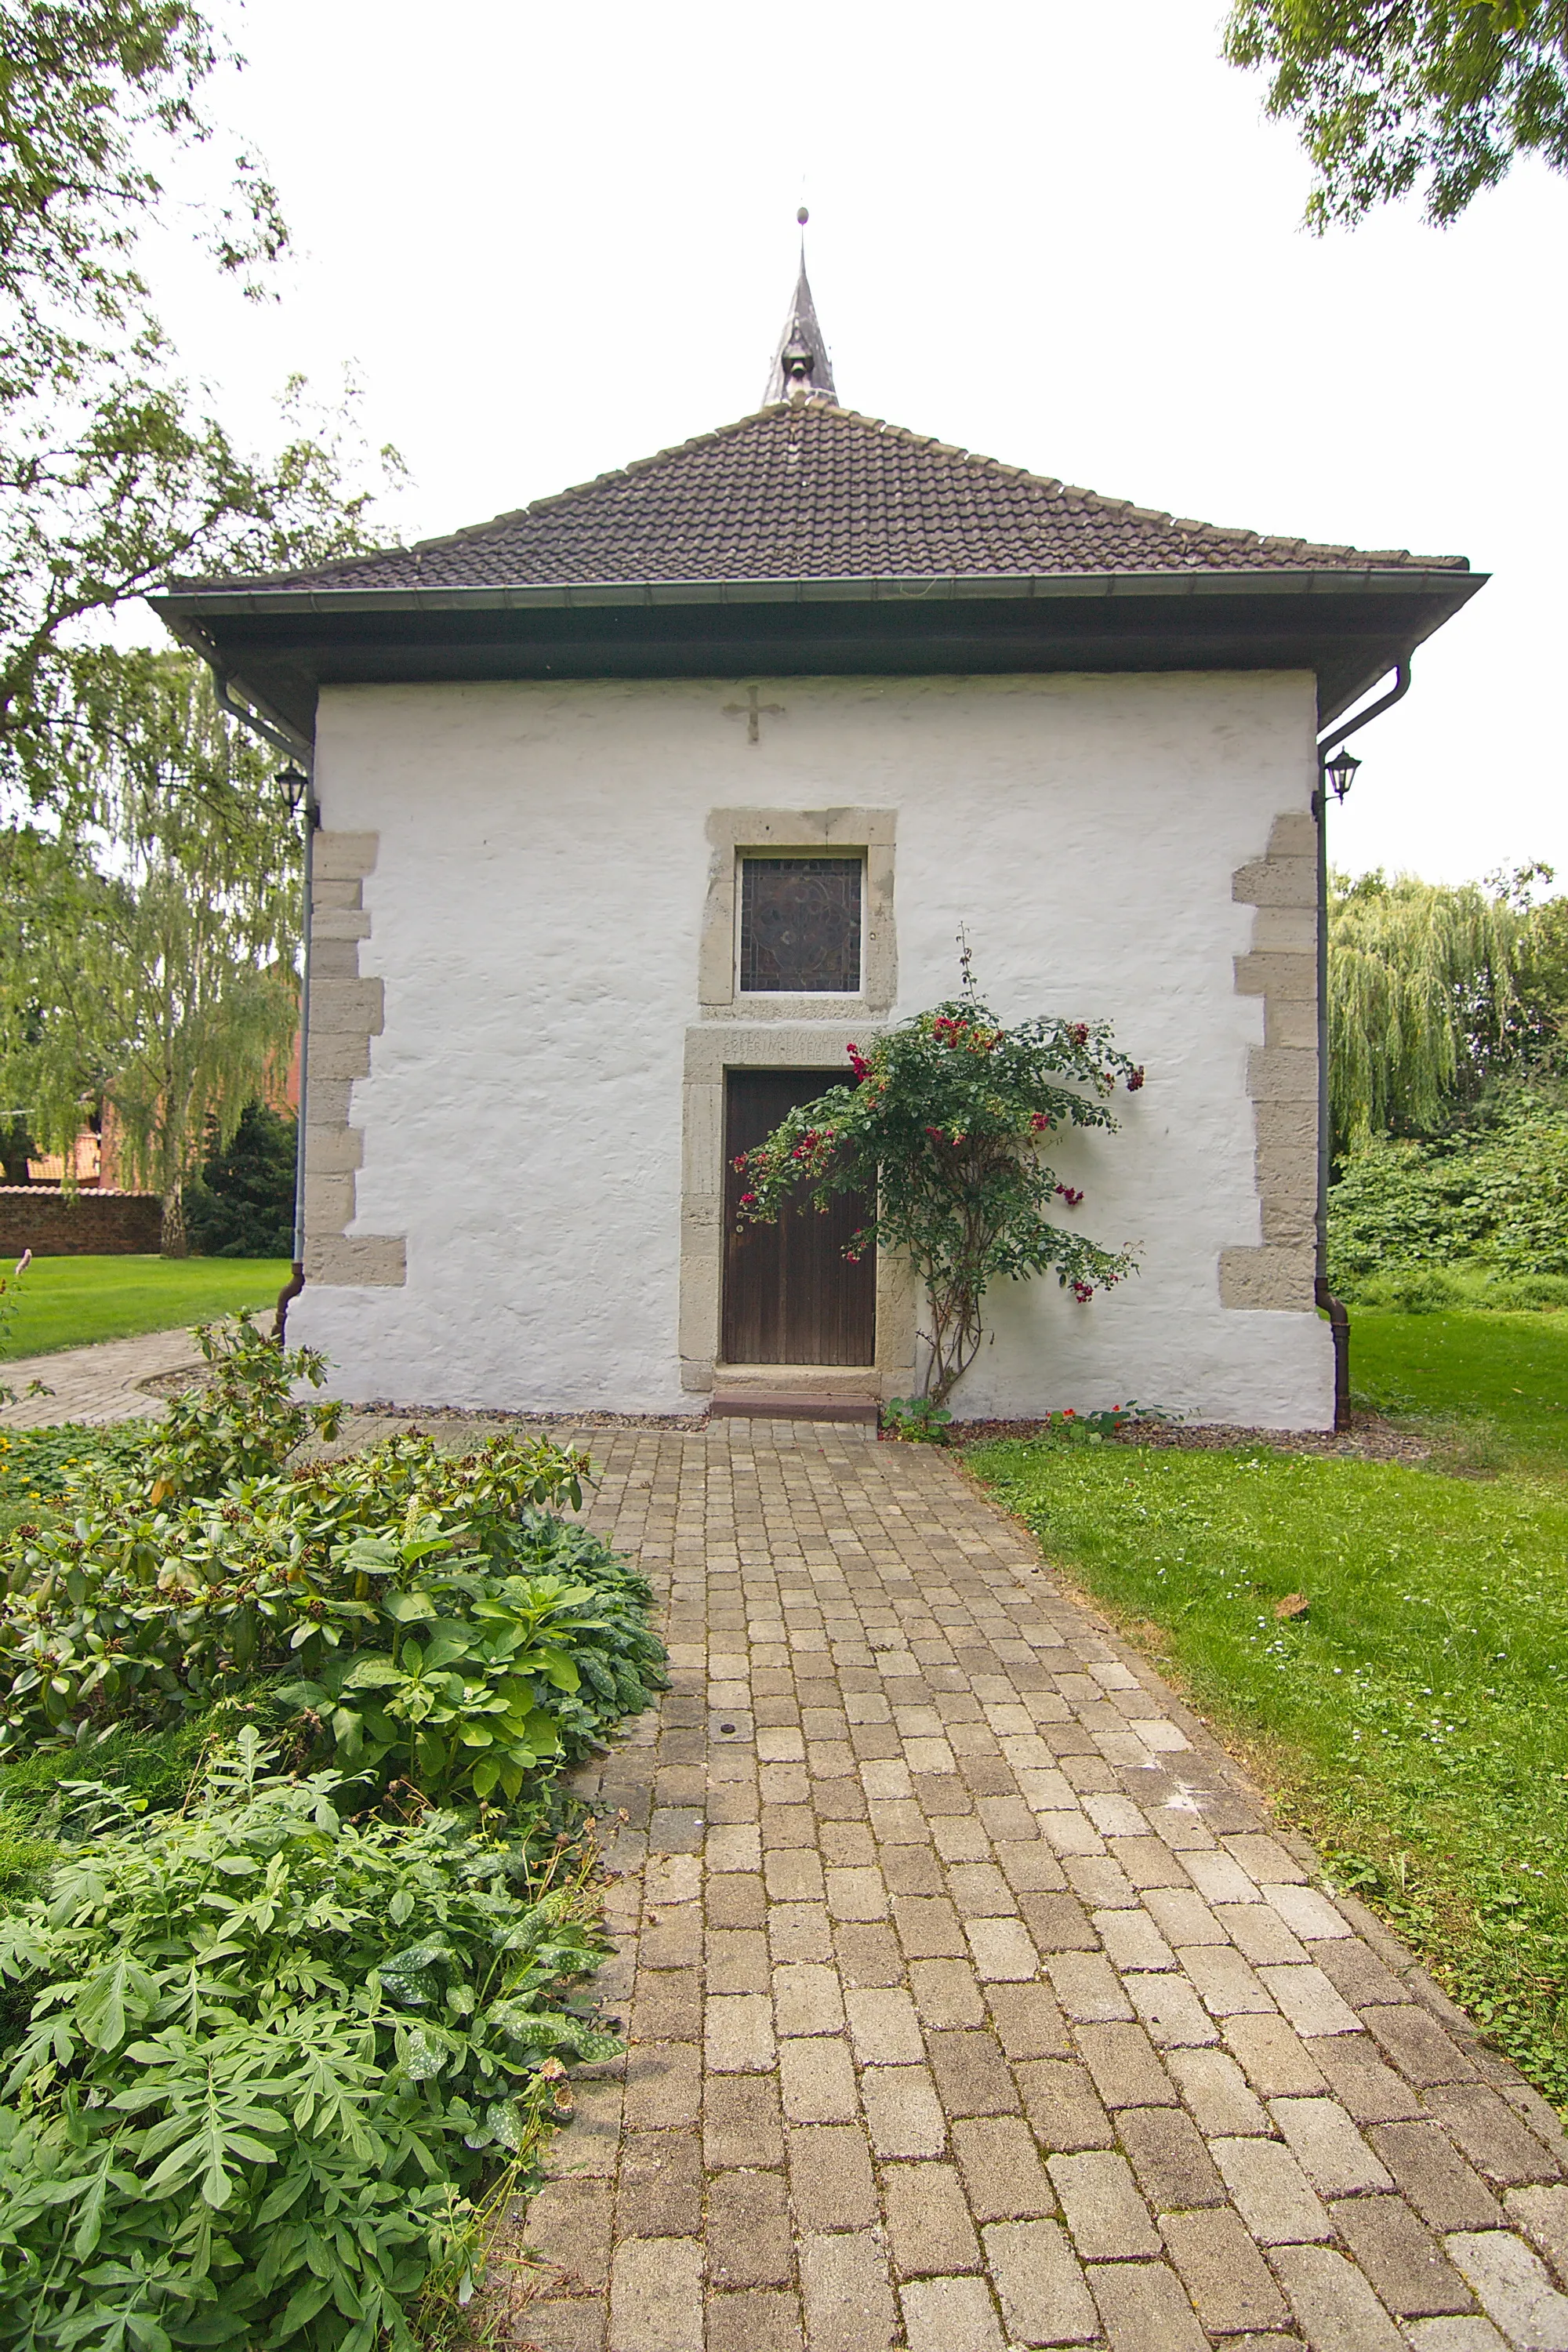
1494, 1387
1414, 1721
65, 1302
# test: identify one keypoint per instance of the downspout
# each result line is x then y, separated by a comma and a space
294, 749
1335, 1310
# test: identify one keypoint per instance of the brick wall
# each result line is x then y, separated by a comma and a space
39, 1218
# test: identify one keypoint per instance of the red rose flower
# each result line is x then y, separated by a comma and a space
1136, 1080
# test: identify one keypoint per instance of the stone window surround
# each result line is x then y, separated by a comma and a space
1281, 966
804, 833
711, 1052
346, 1010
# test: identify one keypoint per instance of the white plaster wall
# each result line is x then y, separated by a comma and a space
535, 910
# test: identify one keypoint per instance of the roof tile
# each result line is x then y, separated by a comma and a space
811, 491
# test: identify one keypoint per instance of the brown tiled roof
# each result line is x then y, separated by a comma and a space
817, 492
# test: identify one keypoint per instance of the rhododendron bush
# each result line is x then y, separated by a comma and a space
947, 1131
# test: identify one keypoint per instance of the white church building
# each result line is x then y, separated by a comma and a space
638, 805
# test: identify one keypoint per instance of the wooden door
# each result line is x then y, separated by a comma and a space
791, 1296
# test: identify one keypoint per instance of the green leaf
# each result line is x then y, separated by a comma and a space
408, 1608
375, 1672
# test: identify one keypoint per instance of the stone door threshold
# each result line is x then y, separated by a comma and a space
795, 1392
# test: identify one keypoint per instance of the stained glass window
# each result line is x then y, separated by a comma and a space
800, 924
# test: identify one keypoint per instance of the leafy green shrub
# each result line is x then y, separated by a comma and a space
1414, 1290
259, 2055
488, 1675
1533, 1293
1496, 1196
439, 1624
244, 1420
915, 1421
1072, 1428
242, 1203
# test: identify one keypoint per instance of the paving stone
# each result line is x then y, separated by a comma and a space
1145, 2309
1259, 1931
1002, 1950
656, 2295
754, 2322
1542, 2215
1058, 1923
1004, 2177
1472, 2333
848, 2301
1271, 2192
1027, 2021
664, 2085
1367, 2088
1328, 2146
1088, 1987
1308, 2000
1172, 2161
1486, 2128
946, 1993
1416, 2045
1215, 2088
1105, 2215
949, 2314
1513, 2287
1305, 1911
1126, 2071
884, 2028
973, 2078
1040, 2284
806, 1999
831, 2181
903, 2114
748, 2230
741, 2121
1274, 2057
929, 2226
1400, 2257
1336, 2308
1441, 2186
817, 2080
1171, 2011
1060, 2102
661, 2193
569, 2224
1224, 2274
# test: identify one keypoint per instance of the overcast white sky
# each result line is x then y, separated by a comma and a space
553, 240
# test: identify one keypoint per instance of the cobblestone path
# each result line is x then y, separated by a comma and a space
970, 2002
98, 1383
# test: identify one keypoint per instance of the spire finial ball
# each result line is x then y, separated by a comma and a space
803, 216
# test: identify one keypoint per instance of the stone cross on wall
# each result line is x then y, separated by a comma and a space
751, 712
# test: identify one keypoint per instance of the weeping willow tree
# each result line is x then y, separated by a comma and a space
148, 937
1421, 975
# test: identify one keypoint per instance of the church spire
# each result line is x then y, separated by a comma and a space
802, 368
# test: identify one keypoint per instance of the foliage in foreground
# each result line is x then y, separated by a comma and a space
946, 1132
1414, 1715
438, 1623
259, 2057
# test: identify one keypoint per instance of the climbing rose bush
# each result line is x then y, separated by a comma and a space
947, 1131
